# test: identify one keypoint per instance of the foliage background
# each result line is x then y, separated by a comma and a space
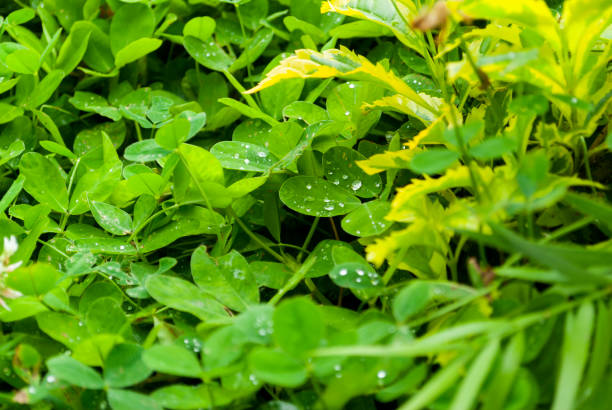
286, 204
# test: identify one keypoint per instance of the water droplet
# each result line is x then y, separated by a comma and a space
329, 208
262, 154
343, 272
246, 161
345, 176
347, 113
308, 186
356, 185
360, 272
351, 85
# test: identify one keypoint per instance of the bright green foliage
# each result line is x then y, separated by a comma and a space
305, 204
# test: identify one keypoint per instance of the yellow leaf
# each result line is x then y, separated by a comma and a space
404, 105
400, 159
388, 160
533, 14
583, 23
341, 63
383, 12
454, 178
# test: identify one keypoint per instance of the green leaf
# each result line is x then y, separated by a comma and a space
208, 53
355, 275
35, 279
571, 261
112, 219
576, 345
13, 150
74, 372
200, 28
172, 134
588, 206
305, 111
182, 295
105, 315
411, 300
368, 219
227, 278
243, 156
323, 257
199, 175
45, 89
433, 161
298, 326
532, 172
438, 384
98, 55
506, 372
136, 50
180, 396
602, 343
124, 366
21, 308
129, 400
345, 102
341, 170
73, 49
253, 49
276, 367
145, 151
469, 388
9, 112
10, 195
64, 328
316, 197
57, 149
96, 185
90, 102
493, 148
171, 359
23, 61
44, 181
200, 221
130, 23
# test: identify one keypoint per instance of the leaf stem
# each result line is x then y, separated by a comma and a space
248, 98
311, 232
254, 237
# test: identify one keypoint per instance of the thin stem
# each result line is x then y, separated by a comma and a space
333, 225
248, 98
246, 229
587, 164
393, 267
316, 292
197, 184
138, 131
293, 281
555, 235
311, 232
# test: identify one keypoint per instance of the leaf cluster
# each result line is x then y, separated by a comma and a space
305, 204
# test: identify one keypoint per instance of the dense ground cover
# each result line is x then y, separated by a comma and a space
293, 204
